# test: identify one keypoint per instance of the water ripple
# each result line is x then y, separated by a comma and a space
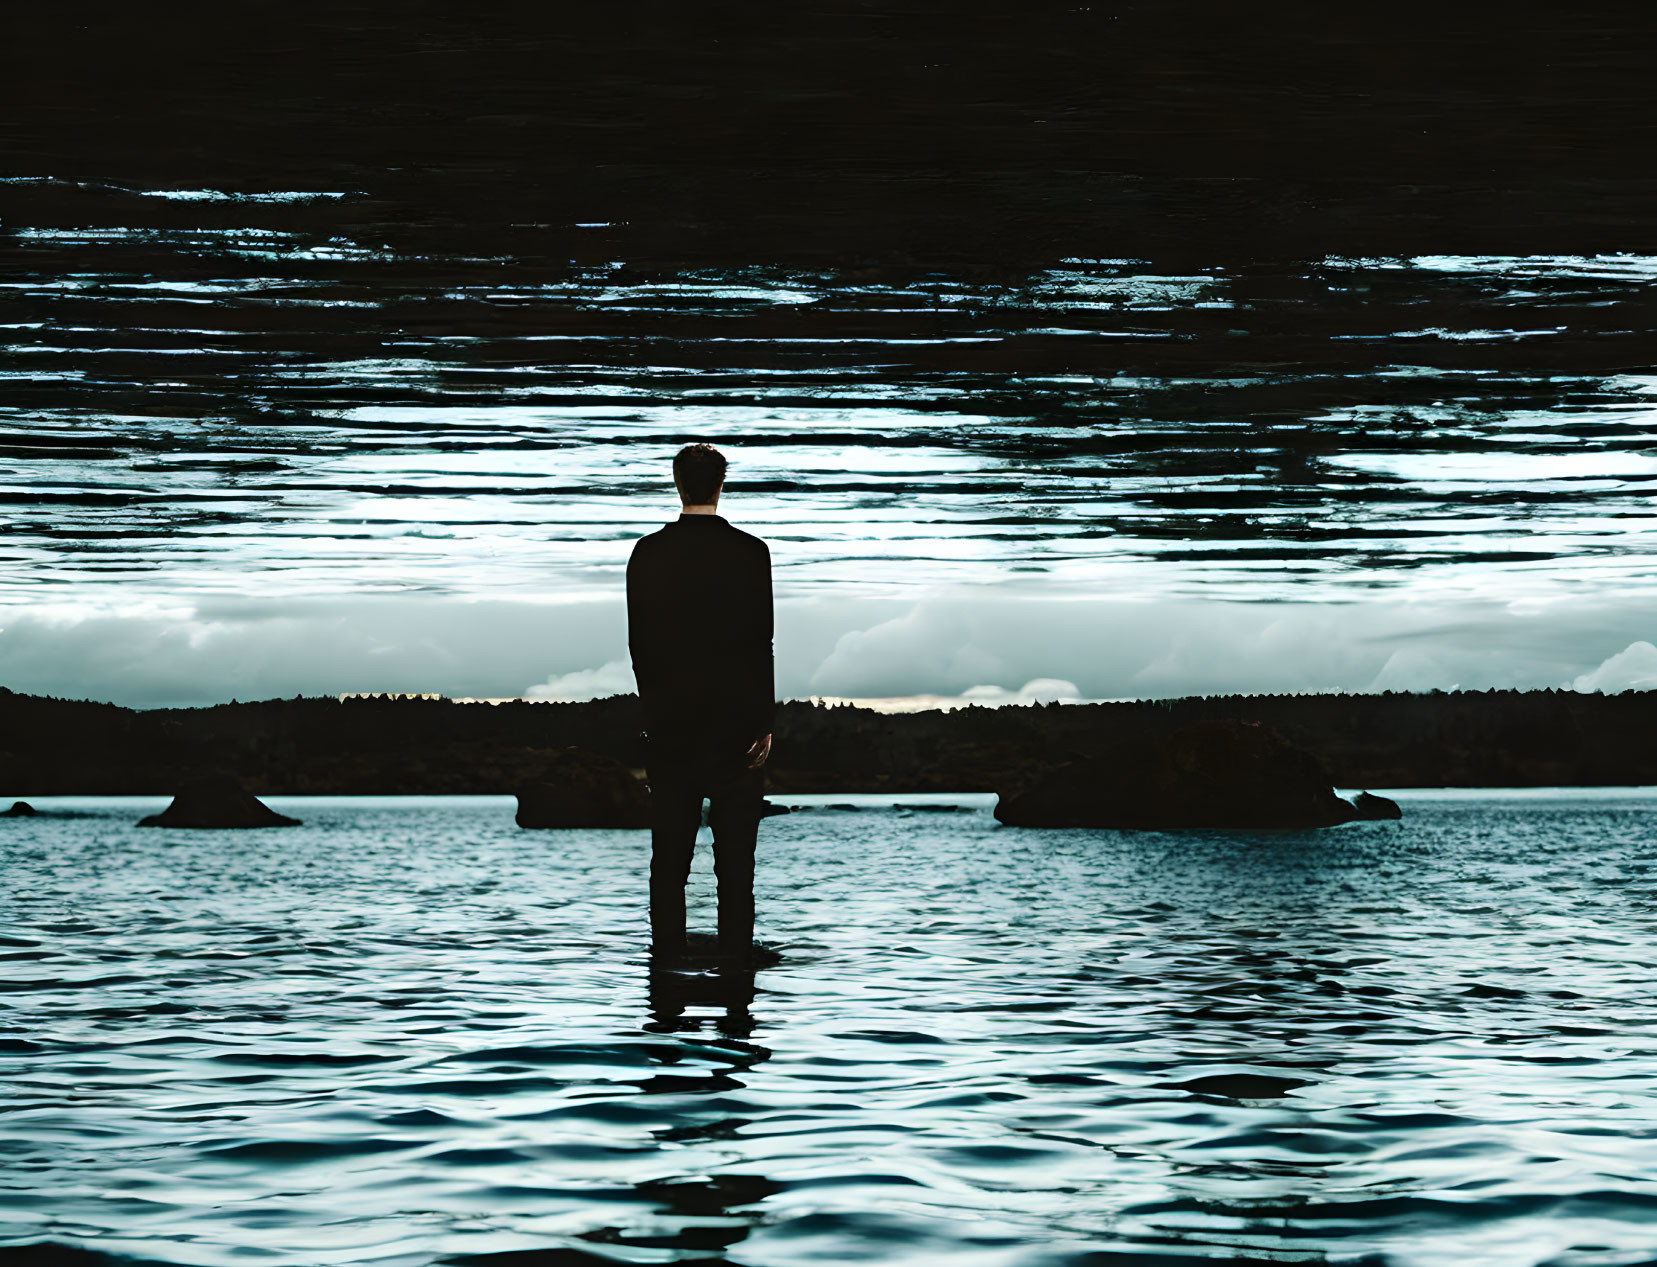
412, 1032
249, 385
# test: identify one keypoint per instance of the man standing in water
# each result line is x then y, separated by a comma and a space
699, 629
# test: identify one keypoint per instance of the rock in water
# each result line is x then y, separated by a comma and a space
1371, 806
20, 809
585, 789
217, 800
1208, 774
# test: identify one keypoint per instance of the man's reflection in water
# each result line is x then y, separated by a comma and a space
678, 985
706, 1003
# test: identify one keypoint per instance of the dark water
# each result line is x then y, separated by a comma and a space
408, 1031
1183, 297
216, 394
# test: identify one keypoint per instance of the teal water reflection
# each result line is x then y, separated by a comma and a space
409, 1032
216, 395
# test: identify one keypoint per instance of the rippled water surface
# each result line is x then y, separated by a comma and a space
212, 392
409, 1032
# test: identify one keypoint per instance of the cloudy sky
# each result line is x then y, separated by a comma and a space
239, 464
986, 645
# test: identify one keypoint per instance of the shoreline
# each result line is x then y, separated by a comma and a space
943, 802
388, 746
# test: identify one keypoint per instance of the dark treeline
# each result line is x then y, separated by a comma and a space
408, 745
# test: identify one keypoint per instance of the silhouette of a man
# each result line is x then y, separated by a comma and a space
699, 629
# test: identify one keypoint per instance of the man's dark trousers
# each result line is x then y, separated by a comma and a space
679, 780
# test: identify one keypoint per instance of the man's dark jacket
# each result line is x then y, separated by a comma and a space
699, 629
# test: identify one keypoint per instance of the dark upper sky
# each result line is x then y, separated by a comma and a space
888, 133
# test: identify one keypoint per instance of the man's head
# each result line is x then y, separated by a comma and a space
699, 472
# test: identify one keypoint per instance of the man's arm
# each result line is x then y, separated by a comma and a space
761, 705
640, 638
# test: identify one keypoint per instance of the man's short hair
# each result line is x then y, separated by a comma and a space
698, 470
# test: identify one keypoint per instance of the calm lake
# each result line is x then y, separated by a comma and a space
408, 1032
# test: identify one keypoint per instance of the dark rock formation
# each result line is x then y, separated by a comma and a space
770, 809
217, 800
1369, 805
584, 789
1210, 774
20, 809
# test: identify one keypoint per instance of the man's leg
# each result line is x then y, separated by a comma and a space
734, 814
675, 814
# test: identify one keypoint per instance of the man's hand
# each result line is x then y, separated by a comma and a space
758, 751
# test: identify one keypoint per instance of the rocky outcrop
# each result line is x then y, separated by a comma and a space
1209, 774
584, 789
20, 809
1369, 805
217, 800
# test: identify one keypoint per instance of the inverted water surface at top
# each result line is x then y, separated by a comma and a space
208, 393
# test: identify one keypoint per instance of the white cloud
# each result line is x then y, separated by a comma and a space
1632, 669
993, 644
613, 677
1036, 691
930, 647
252, 649
1412, 668
1041, 690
